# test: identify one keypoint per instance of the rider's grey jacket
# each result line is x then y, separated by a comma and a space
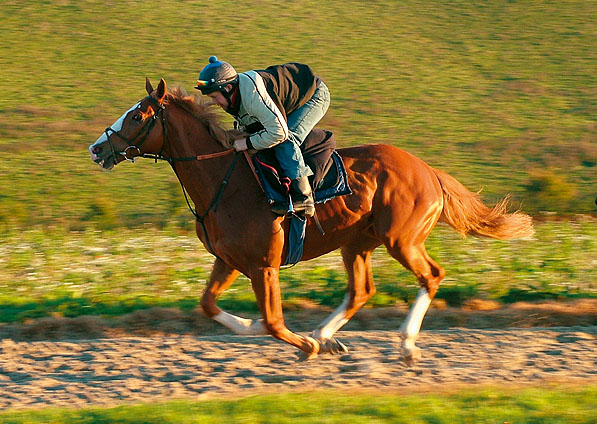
269, 96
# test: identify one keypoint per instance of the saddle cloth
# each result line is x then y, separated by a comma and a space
329, 181
329, 174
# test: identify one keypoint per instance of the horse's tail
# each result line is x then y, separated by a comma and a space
465, 212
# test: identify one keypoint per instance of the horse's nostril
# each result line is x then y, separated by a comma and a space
96, 150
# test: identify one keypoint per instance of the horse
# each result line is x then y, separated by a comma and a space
396, 200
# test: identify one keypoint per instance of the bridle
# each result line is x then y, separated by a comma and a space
142, 136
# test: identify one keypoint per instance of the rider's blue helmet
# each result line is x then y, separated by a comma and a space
215, 76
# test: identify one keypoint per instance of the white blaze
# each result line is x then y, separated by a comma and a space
116, 126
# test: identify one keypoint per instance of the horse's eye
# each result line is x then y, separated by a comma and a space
137, 117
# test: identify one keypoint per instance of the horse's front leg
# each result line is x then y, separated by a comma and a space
266, 285
361, 287
222, 276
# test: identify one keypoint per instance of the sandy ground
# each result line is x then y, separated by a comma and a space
162, 355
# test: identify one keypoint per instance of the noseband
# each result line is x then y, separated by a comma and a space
135, 144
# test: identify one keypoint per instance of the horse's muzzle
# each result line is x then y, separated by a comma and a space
102, 155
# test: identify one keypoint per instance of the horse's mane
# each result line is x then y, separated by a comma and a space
205, 114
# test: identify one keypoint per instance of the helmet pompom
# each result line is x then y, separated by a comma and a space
213, 59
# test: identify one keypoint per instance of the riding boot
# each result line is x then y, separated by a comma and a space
302, 196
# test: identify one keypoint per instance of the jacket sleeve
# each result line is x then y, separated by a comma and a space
258, 103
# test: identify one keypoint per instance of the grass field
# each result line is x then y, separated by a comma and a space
489, 405
500, 94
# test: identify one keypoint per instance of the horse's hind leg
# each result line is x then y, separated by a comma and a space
222, 276
429, 274
357, 260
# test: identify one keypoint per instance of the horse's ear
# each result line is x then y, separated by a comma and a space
160, 92
148, 86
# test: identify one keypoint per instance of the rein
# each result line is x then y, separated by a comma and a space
189, 158
150, 125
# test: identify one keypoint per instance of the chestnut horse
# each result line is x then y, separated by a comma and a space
397, 199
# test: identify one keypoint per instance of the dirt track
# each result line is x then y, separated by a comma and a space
132, 368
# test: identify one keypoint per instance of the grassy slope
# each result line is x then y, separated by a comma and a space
499, 94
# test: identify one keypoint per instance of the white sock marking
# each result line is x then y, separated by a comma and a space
243, 326
334, 322
412, 324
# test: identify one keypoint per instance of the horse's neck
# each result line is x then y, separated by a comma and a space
186, 138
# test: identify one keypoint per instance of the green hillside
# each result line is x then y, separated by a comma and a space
499, 94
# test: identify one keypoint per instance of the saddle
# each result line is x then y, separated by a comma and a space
327, 182
319, 152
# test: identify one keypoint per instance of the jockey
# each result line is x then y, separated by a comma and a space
277, 107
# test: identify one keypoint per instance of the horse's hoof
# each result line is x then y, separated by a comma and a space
316, 348
303, 356
333, 346
411, 356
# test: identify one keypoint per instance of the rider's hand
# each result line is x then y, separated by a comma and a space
240, 144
